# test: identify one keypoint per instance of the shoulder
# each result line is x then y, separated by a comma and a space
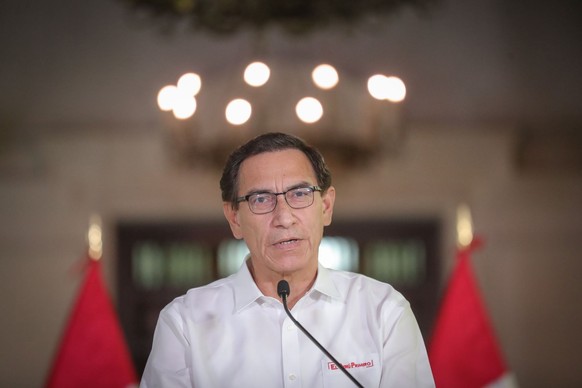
376, 293
380, 302
205, 302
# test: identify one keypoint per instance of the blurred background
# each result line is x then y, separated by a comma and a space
491, 118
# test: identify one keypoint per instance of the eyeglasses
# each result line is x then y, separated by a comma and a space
296, 198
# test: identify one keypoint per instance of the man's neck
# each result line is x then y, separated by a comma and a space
299, 282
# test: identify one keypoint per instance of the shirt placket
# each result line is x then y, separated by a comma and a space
291, 354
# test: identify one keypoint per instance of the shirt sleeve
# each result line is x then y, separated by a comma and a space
405, 361
167, 365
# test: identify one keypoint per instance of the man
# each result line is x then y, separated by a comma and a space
234, 332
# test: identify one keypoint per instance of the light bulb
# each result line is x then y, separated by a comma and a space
190, 83
238, 111
309, 110
257, 74
325, 76
167, 97
184, 107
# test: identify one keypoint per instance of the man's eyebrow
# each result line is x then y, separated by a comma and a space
263, 191
299, 185
258, 191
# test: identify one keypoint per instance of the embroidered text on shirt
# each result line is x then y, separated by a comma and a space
351, 365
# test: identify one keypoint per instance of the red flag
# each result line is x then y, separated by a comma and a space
463, 351
93, 352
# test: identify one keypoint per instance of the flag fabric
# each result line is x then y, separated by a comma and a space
463, 350
93, 352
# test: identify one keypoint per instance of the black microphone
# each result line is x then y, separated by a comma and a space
284, 290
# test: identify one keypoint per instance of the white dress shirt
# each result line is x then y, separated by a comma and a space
228, 334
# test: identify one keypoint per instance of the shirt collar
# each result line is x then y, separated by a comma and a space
246, 290
324, 283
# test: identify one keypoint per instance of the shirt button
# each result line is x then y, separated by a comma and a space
290, 328
292, 377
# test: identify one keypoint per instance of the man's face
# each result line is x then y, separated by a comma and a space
286, 240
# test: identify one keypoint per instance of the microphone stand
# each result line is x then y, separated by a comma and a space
283, 290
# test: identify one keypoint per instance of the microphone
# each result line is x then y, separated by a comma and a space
283, 290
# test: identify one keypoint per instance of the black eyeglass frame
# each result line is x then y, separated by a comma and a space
245, 198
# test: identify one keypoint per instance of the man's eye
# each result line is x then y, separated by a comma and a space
261, 198
298, 193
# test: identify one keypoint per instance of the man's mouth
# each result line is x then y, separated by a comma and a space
286, 242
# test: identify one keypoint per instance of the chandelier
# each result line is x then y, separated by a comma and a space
350, 120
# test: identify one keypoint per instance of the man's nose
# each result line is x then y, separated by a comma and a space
283, 213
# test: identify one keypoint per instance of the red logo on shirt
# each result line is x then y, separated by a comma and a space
351, 365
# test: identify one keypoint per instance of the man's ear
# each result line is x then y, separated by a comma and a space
328, 199
232, 218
